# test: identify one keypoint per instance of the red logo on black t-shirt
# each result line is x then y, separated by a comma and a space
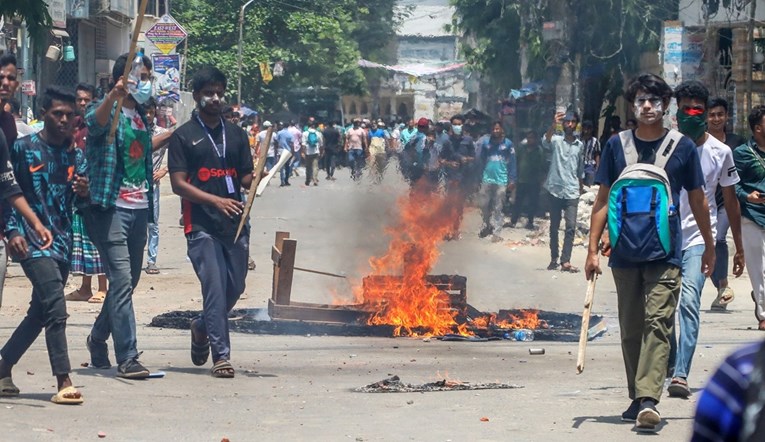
204, 174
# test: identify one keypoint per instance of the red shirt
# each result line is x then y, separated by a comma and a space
80, 132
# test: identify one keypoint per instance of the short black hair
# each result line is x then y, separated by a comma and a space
151, 102
15, 106
651, 83
7, 59
207, 75
692, 89
59, 93
721, 102
756, 116
118, 69
456, 117
587, 123
89, 88
227, 110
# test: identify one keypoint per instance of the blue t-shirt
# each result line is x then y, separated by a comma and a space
683, 170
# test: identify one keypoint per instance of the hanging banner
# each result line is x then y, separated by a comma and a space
167, 83
265, 73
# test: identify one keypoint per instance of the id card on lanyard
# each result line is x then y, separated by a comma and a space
221, 155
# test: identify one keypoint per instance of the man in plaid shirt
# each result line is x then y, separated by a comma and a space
121, 206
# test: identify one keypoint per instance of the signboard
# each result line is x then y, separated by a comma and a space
28, 88
166, 34
167, 81
57, 11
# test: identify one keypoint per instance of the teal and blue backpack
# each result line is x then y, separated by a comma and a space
640, 204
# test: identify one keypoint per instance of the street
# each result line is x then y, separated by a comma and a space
301, 387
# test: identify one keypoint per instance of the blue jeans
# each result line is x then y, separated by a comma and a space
683, 345
120, 236
270, 163
154, 229
286, 172
356, 162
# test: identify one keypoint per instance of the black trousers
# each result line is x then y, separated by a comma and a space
526, 200
46, 310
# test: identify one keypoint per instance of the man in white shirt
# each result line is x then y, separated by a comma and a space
260, 141
718, 168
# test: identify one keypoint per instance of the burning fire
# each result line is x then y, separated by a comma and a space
408, 301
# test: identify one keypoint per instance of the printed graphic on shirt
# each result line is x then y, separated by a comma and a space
134, 188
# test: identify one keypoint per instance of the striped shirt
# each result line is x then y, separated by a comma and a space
720, 410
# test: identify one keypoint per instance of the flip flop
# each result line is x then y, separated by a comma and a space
61, 399
75, 295
8, 388
726, 297
569, 269
152, 269
199, 352
221, 369
98, 298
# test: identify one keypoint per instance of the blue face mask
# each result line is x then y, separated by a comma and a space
142, 92
457, 129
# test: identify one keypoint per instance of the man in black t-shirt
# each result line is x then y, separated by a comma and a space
331, 148
209, 162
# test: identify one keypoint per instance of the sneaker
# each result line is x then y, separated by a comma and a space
648, 417
132, 369
679, 388
486, 231
99, 353
630, 414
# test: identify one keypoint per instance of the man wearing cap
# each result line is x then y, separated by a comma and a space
564, 183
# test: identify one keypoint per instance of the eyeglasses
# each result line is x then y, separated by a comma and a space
7, 77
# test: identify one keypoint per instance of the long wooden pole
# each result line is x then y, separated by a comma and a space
584, 332
128, 67
257, 174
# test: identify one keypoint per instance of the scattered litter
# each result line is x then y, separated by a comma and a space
484, 419
394, 385
536, 351
85, 364
409, 402
425, 339
101, 434
30, 373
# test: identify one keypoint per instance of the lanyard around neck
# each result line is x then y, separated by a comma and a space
221, 155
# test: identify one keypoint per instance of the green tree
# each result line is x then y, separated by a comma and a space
605, 38
316, 41
33, 12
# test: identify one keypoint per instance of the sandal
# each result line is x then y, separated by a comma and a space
222, 369
567, 267
553, 265
98, 298
75, 295
67, 396
725, 296
679, 388
8, 388
199, 352
152, 269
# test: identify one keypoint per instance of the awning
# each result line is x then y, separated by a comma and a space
416, 69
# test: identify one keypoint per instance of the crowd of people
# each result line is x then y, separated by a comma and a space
80, 195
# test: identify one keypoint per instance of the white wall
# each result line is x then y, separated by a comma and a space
690, 12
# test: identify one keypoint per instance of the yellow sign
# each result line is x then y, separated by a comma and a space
265, 73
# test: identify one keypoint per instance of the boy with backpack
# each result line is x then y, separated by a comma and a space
641, 174
312, 146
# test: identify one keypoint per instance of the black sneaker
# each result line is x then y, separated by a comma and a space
486, 231
648, 417
132, 369
99, 353
630, 414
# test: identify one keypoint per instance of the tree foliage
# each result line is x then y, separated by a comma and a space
319, 43
34, 13
606, 36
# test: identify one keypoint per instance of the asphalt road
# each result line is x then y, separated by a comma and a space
300, 387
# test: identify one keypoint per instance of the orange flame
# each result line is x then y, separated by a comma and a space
519, 319
414, 307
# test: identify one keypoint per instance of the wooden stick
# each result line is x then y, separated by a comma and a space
128, 67
584, 333
257, 175
318, 272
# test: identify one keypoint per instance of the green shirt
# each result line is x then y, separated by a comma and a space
750, 163
531, 164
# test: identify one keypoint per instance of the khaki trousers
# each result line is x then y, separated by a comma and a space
647, 297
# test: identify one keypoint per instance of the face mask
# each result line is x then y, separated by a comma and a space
457, 129
692, 123
142, 92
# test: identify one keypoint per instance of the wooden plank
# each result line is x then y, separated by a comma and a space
278, 242
276, 255
313, 313
284, 281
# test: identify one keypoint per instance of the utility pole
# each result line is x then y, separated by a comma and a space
750, 54
239, 71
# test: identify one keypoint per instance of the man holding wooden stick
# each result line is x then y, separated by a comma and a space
641, 174
210, 161
120, 172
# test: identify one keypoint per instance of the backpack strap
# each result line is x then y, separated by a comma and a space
667, 148
628, 145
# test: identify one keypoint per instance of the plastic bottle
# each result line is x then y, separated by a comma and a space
523, 335
135, 72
